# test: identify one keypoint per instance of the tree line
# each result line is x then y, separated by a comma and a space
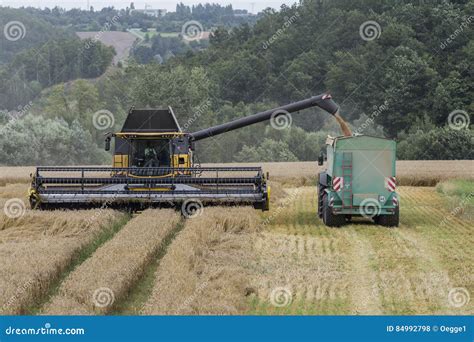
405, 82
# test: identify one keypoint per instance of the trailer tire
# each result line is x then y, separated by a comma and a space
329, 218
389, 220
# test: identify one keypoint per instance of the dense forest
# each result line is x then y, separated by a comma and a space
398, 69
209, 15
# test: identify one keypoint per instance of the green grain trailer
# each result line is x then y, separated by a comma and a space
359, 181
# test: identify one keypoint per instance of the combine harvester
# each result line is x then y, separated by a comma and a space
153, 165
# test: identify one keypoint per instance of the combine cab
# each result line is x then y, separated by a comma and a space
153, 165
359, 181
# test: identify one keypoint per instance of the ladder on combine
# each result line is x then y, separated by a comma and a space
347, 176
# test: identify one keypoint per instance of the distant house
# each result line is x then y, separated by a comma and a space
242, 13
158, 12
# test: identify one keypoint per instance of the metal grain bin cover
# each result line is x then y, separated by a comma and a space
151, 120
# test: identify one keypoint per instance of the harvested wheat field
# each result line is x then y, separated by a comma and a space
237, 260
205, 269
38, 247
307, 268
110, 272
292, 264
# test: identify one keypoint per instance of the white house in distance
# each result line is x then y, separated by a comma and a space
155, 12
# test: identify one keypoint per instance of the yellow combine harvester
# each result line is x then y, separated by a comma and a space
153, 165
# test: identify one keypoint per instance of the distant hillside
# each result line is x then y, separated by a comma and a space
122, 42
21, 31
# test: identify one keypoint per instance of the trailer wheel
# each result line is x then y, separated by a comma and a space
389, 220
329, 218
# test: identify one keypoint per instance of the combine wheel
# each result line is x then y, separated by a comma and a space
263, 206
329, 218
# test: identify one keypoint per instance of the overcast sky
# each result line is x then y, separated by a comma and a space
168, 4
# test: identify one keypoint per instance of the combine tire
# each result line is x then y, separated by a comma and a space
329, 218
389, 220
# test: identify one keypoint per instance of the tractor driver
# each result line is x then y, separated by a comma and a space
151, 157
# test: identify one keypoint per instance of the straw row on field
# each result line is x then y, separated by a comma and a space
36, 248
205, 268
107, 276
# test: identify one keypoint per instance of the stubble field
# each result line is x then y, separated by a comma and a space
242, 261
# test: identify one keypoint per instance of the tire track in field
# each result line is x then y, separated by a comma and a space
298, 254
364, 289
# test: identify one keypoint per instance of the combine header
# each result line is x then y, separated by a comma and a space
153, 165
